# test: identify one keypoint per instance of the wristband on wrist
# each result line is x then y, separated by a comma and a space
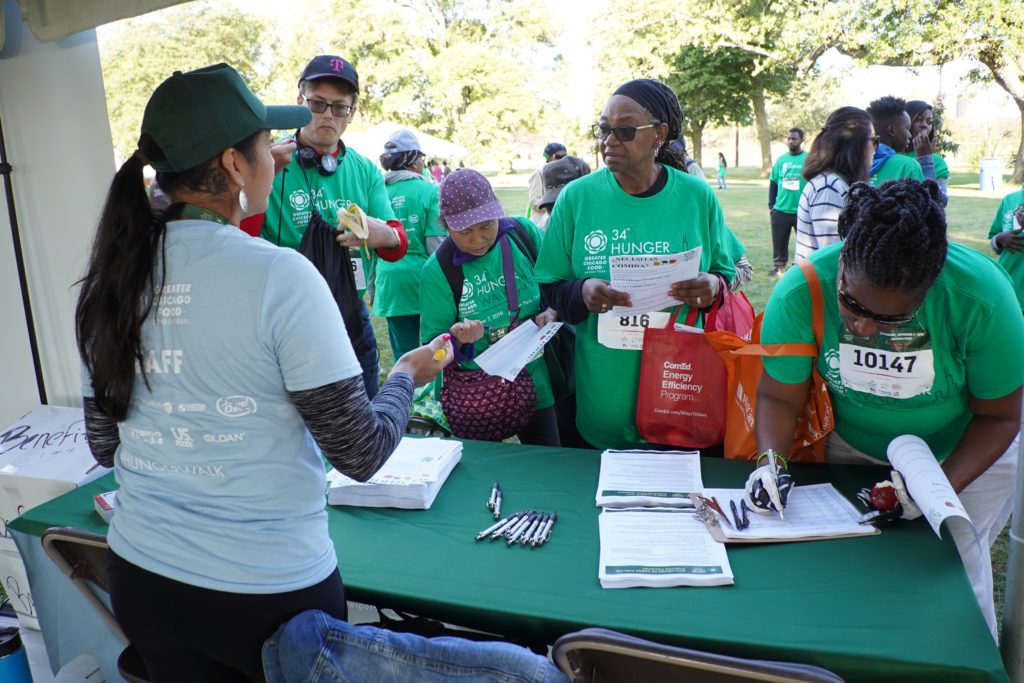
771, 453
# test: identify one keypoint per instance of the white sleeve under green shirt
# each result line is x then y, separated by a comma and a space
484, 298
296, 190
787, 173
917, 379
594, 219
1003, 222
414, 202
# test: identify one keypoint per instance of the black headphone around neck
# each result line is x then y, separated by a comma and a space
325, 164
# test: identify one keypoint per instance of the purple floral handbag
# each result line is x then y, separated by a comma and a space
482, 406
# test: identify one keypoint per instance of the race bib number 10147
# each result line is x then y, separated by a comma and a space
888, 373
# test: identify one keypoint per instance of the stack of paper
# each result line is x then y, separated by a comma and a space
410, 479
658, 547
813, 512
648, 478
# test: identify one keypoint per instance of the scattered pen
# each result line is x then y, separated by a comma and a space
520, 529
512, 528
540, 530
531, 530
494, 494
512, 521
736, 515
497, 504
548, 527
494, 527
744, 509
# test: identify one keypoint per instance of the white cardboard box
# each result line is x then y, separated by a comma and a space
42, 455
14, 580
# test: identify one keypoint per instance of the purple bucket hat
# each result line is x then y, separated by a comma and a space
465, 198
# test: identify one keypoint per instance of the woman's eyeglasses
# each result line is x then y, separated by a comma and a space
875, 140
622, 133
851, 304
342, 111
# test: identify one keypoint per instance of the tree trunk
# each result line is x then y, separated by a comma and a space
697, 138
1008, 74
761, 118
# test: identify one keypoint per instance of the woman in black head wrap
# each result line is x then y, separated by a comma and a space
642, 203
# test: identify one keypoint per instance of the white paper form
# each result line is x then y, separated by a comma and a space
510, 354
926, 482
659, 547
813, 512
647, 278
640, 478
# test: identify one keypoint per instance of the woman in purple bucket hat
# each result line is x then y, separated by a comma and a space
479, 285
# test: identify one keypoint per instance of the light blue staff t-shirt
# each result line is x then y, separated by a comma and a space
222, 486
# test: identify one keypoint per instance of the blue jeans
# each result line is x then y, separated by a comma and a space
316, 647
365, 346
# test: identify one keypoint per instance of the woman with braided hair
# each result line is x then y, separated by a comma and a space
921, 337
643, 202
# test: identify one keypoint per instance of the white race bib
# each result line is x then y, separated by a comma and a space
791, 184
888, 373
358, 272
626, 332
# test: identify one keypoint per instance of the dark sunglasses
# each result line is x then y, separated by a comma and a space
850, 304
601, 131
319, 107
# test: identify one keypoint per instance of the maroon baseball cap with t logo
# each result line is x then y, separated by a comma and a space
330, 66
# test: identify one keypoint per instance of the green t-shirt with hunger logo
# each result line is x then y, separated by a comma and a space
1003, 222
895, 167
918, 378
357, 181
484, 298
787, 173
594, 219
397, 283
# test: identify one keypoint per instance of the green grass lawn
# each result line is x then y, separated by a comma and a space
745, 203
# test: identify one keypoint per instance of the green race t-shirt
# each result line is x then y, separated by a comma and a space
896, 167
917, 379
414, 202
484, 298
787, 173
296, 190
1003, 222
593, 219
941, 167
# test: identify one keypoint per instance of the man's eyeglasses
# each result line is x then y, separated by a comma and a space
850, 304
342, 111
624, 133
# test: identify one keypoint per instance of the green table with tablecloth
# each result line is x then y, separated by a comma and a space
896, 606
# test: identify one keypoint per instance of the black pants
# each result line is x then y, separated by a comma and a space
542, 430
782, 225
185, 633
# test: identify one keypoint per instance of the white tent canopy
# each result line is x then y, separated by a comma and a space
370, 143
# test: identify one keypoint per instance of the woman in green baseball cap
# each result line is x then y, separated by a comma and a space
208, 359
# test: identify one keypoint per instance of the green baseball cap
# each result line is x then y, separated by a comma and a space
196, 115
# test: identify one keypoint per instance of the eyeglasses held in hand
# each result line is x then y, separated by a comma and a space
342, 111
622, 133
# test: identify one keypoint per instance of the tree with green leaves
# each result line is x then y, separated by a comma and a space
713, 88
918, 32
137, 55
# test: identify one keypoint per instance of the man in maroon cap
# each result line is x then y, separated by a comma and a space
325, 177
